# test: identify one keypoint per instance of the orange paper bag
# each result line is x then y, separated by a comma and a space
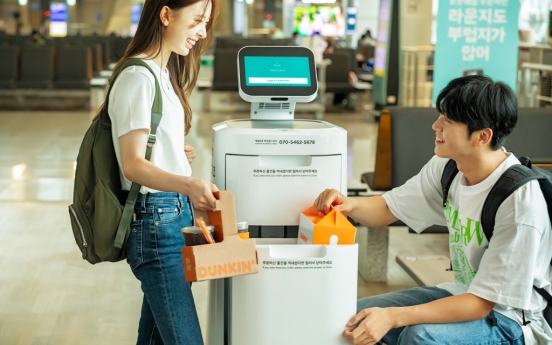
317, 228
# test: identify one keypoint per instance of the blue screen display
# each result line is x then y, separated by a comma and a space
277, 71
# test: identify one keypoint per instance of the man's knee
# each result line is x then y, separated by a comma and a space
424, 334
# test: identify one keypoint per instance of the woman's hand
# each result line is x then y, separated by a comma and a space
332, 198
200, 193
190, 153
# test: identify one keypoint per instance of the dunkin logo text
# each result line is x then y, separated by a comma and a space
225, 269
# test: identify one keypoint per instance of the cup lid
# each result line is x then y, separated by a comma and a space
211, 228
190, 229
243, 225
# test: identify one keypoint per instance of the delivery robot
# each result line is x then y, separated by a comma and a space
276, 166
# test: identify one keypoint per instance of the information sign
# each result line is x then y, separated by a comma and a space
476, 37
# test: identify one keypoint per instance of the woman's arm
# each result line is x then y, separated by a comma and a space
137, 169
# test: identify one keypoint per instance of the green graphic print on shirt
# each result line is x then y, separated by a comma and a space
462, 233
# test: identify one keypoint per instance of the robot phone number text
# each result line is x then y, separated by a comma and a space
297, 142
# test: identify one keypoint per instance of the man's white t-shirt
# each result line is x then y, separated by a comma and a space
130, 103
503, 270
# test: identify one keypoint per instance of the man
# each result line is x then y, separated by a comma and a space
492, 300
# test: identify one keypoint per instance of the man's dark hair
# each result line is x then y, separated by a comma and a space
479, 102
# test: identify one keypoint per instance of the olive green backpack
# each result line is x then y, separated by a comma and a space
101, 211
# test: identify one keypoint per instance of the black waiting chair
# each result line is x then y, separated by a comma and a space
119, 46
225, 72
37, 67
74, 67
9, 66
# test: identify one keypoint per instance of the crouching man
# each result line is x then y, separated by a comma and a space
492, 299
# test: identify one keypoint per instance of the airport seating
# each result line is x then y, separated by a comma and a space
74, 67
96, 47
12, 40
96, 54
240, 42
27, 65
119, 45
352, 57
101, 55
531, 137
9, 66
337, 74
225, 71
105, 45
37, 67
97, 57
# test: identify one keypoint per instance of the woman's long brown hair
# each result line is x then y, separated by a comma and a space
183, 70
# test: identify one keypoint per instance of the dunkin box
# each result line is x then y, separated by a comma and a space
318, 228
230, 255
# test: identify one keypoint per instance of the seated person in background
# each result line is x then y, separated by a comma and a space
492, 300
367, 39
317, 44
331, 45
277, 33
295, 39
37, 39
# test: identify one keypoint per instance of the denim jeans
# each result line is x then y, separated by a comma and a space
479, 332
154, 253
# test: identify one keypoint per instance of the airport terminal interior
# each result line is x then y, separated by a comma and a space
379, 64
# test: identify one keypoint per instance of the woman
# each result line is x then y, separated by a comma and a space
171, 36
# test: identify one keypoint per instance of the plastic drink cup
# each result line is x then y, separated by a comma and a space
193, 235
243, 227
243, 230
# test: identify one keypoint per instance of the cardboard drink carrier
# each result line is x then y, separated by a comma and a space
230, 256
318, 228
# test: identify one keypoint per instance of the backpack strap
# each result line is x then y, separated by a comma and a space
513, 178
448, 176
156, 114
544, 294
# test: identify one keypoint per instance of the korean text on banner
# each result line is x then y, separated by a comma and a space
476, 37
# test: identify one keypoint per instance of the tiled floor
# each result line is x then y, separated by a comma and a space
48, 295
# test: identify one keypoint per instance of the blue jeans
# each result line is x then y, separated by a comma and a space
154, 253
507, 331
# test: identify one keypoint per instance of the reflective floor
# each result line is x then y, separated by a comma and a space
48, 295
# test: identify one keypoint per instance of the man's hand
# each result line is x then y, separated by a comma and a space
332, 198
374, 324
190, 153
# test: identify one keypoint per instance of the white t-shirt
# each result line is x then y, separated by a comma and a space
502, 271
130, 103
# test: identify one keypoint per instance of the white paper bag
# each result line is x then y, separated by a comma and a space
302, 295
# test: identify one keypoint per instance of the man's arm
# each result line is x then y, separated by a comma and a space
370, 211
376, 322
